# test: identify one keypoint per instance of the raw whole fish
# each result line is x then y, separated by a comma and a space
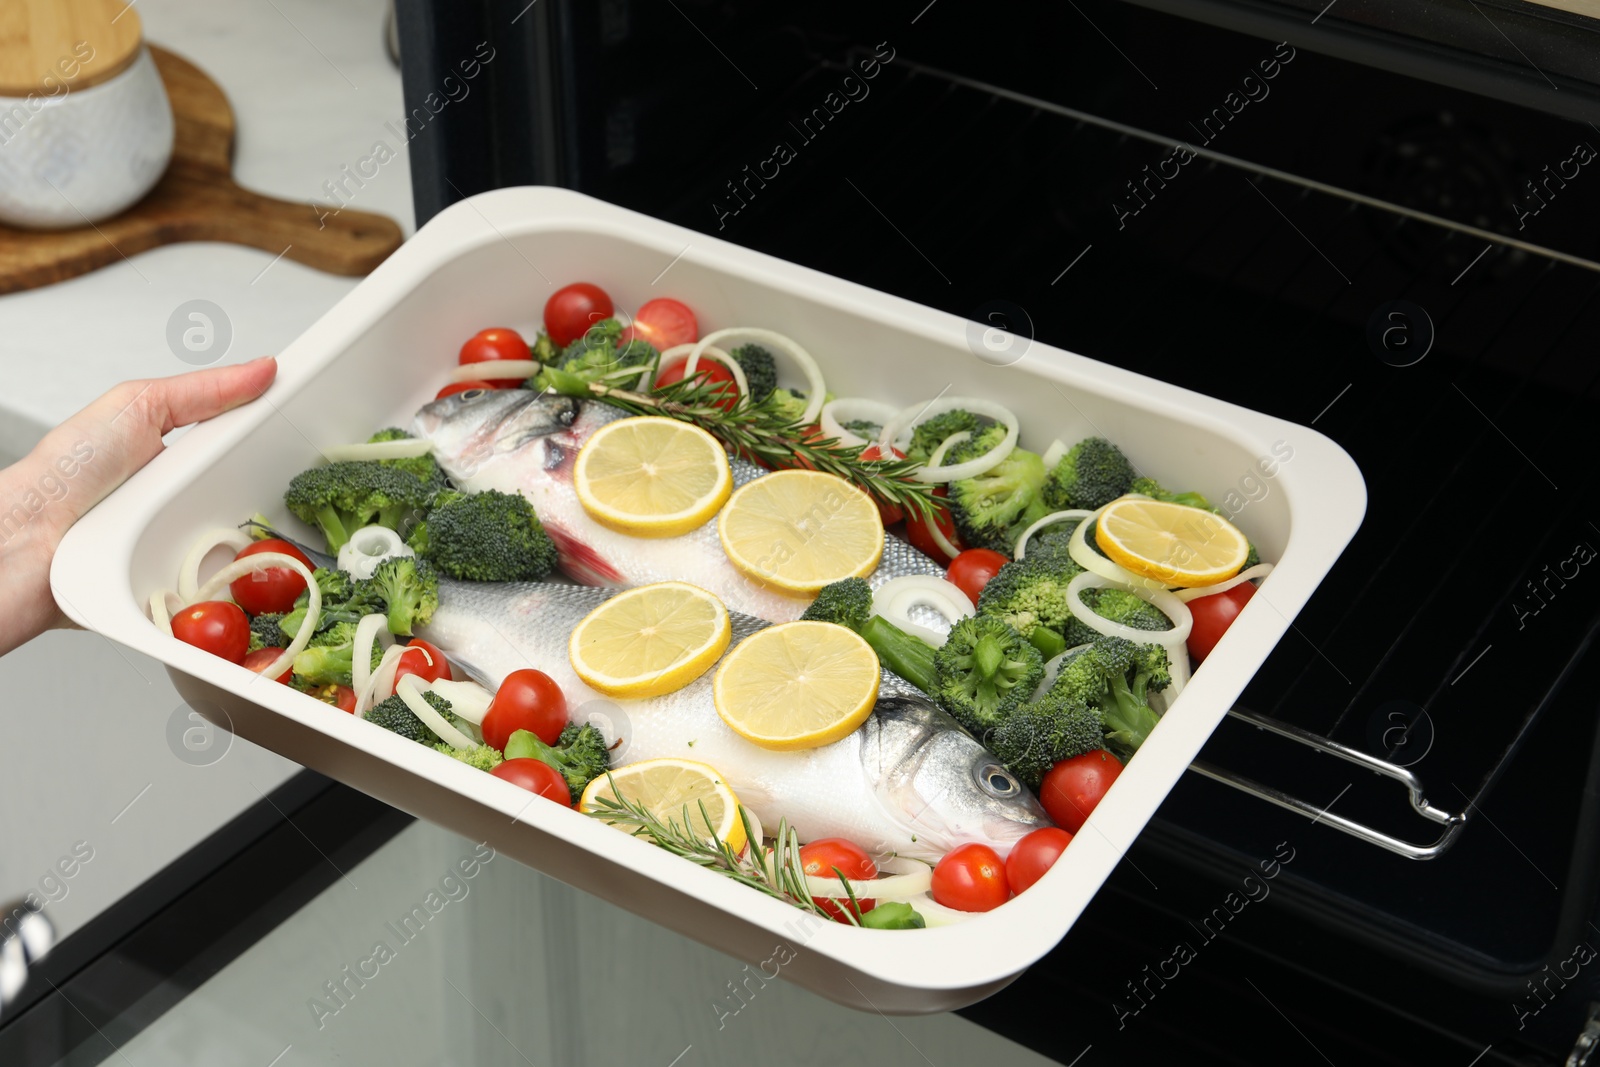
909, 781
519, 441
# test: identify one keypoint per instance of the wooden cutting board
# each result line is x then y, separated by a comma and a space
198, 200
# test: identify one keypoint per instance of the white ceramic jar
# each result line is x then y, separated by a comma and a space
81, 155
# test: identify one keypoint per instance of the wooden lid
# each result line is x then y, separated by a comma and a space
48, 44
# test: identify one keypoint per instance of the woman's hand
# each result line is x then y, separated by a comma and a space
81, 461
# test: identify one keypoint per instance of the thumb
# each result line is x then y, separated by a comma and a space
121, 431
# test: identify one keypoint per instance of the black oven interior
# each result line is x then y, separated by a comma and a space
1379, 222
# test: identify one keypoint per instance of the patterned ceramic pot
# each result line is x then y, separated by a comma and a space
81, 155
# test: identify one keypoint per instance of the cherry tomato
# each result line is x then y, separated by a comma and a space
262, 658
917, 532
709, 371
221, 628
340, 696
494, 344
269, 591
1073, 787
1213, 615
889, 513
573, 309
1034, 855
971, 877
536, 776
462, 387
820, 857
526, 700
414, 662
663, 322
972, 570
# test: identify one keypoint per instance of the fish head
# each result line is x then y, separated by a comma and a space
940, 784
474, 426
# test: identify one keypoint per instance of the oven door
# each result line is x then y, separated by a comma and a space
1288, 222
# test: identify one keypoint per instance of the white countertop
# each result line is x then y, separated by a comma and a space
311, 88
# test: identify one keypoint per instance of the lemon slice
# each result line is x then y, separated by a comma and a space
652, 476
1171, 543
799, 530
649, 641
799, 685
665, 787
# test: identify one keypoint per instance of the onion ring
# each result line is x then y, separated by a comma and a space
409, 691
161, 609
1260, 570
368, 631
894, 598
261, 561
506, 368
1173, 640
911, 882
694, 352
468, 700
800, 357
1095, 563
957, 438
189, 572
853, 408
1050, 520
908, 418
382, 680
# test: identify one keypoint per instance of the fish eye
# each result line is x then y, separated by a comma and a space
472, 394
998, 782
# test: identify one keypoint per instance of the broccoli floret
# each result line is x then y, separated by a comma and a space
786, 405
1053, 543
986, 669
339, 602
482, 757
1116, 676
848, 603
862, 428
597, 352
544, 350
394, 716
488, 537
580, 754
1031, 595
404, 589
1151, 488
340, 498
329, 658
1129, 609
987, 508
425, 468
931, 432
1092, 474
266, 633
1041, 733
760, 370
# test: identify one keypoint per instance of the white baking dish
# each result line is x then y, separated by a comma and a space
384, 350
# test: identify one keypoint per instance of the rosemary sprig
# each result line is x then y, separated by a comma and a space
762, 432
778, 873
